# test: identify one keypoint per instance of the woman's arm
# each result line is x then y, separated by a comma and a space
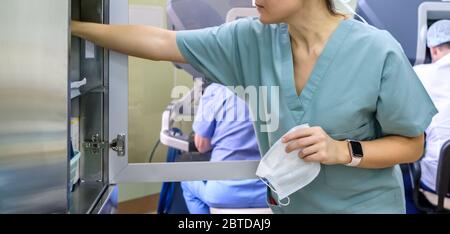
385, 152
389, 151
140, 41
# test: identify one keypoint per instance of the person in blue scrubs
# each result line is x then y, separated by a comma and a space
223, 126
347, 80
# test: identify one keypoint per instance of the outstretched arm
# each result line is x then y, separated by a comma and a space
140, 41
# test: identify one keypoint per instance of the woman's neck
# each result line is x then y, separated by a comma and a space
312, 27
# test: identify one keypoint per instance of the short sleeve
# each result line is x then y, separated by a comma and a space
404, 107
215, 51
209, 107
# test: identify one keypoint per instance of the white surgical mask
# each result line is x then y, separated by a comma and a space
346, 4
286, 173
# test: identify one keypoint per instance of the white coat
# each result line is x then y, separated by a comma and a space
436, 80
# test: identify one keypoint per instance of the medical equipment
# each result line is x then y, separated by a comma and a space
184, 106
407, 21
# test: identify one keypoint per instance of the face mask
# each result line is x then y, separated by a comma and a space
346, 4
286, 173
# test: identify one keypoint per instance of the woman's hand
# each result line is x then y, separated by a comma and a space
317, 146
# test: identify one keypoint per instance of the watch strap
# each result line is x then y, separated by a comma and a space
355, 160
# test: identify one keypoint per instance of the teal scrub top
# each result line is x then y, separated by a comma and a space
362, 88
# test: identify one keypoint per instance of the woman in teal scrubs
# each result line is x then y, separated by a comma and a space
347, 79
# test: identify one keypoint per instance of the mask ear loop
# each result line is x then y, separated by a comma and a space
274, 190
285, 204
268, 185
350, 9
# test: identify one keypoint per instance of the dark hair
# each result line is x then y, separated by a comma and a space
445, 45
330, 6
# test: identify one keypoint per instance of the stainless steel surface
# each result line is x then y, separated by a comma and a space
187, 171
91, 103
91, 116
118, 92
108, 202
89, 61
105, 160
85, 197
94, 145
74, 61
33, 106
119, 145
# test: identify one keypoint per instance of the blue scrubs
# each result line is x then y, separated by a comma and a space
224, 118
362, 88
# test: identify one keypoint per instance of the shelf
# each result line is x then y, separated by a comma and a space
75, 170
81, 87
75, 88
85, 196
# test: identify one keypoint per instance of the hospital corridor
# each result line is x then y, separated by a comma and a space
252, 108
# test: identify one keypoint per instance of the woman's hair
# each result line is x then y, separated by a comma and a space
445, 45
330, 6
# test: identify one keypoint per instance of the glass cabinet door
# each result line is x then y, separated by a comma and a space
120, 170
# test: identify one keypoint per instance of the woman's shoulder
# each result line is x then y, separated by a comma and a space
380, 40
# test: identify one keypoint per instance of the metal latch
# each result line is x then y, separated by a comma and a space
118, 145
95, 145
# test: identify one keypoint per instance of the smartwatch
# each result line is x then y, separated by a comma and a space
356, 152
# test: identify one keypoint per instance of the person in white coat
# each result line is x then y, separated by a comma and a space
436, 80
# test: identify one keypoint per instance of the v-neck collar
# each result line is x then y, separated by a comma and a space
299, 104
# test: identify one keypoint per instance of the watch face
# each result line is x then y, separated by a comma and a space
356, 148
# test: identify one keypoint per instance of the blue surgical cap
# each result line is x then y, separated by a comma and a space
438, 33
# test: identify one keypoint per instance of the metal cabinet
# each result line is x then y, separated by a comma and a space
33, 106
59, 93
89, 107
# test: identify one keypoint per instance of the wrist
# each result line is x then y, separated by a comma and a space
344, 153
75, 27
